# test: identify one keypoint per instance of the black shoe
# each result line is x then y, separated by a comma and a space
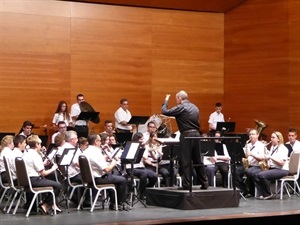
184, 188
204, 186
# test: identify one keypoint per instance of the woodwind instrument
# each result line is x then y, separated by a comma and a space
263, 164
245, 160
44, 156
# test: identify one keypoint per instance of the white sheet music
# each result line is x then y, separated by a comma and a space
168, 140
66, 160
132, 150
52, 154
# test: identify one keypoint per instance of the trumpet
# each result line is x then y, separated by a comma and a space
263, 164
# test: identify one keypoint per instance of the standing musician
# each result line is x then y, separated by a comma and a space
277, 163
36, 172
215, 117
187, 118
101, 171
122, 117
81, 126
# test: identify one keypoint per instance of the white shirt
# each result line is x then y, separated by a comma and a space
60, 117
122, 115
215, 117
97, 160
280, 152
6, 151
295, 146
11, 161
75, 111
258, 148
34, 163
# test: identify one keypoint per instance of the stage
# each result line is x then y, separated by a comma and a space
273, 211
211, 198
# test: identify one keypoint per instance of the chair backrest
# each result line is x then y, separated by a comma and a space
294, 163
22, 175
86, 171
8, 172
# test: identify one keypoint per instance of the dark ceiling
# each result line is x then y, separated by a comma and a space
218, 6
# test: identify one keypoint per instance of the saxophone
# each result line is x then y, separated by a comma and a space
245, 160
263, 164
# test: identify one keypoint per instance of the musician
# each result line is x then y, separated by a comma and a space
101, 171
292, 136
62, 129
151, 127
278, 166
148, 178
109, 128
122, 117
219, 162
26, 128
155, 162
254, 152
81, 126
187, 118
62, 114
36, 172
6, 148
20, 146
216, 116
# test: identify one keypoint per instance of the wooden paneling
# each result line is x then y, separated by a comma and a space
199, 5
107, 53
256, 65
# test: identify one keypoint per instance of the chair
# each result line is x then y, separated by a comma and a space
24, 183
5, 187
294, 166
89, 183
178, 178
14, 190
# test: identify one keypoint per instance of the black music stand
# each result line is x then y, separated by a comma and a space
225, 127
66, 160
133, 153
207, 148
137, 120
122, 138
88, 115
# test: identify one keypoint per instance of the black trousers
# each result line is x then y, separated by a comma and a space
82, 131
190, 153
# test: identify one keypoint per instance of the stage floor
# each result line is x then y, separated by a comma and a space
252, 208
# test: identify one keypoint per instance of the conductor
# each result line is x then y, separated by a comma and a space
187, 118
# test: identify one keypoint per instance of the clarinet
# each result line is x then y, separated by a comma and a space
51, 163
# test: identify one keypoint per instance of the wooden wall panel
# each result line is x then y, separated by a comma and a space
256, 65
106, 53
294, 59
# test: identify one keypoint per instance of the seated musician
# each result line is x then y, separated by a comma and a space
277, 166
148, 178
101, 171
218, 162
254, 153
154, 160
6, 148
37, 173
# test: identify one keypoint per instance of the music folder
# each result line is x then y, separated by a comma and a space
225, 126
138, 119
88, 115
219, 148
207, 148
132, 152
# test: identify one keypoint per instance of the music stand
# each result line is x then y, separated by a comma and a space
66, 160
88, 115
225, 127
219, 148
133, 153
122, 138
137, 120
207, 148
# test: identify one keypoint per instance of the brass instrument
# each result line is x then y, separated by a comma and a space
245, 160
260, 126
264, 163
86, 107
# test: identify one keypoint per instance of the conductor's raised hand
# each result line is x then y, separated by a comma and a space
167, 97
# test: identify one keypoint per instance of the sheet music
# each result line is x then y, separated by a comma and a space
132, 150
66, 160
52, 154
168, 140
